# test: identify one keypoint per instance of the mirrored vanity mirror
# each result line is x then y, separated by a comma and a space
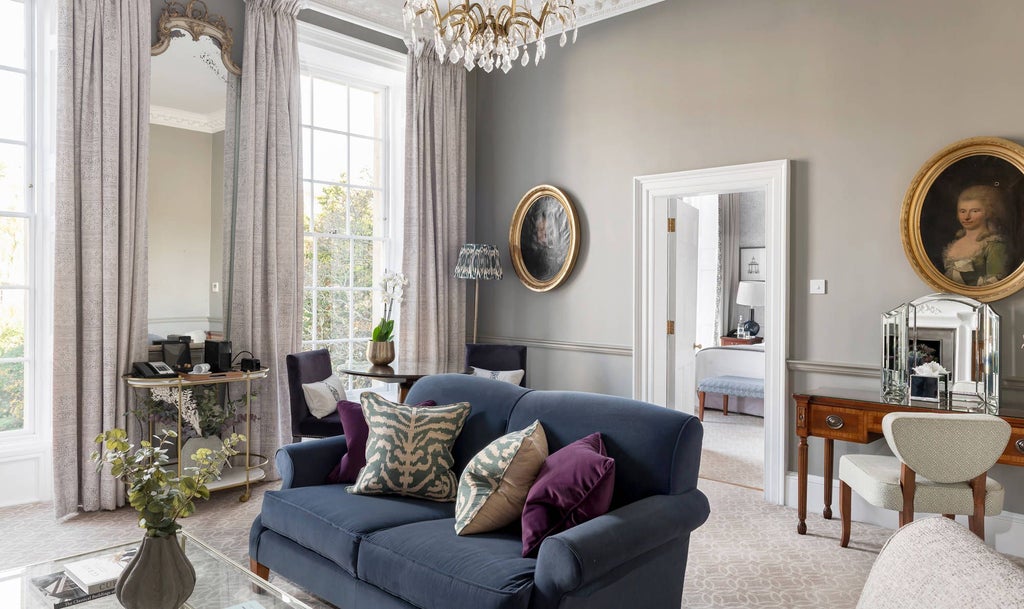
941, 350
194, 96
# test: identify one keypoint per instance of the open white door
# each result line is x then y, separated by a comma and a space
684, 259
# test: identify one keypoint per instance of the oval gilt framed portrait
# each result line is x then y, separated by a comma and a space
961, 221
544, 238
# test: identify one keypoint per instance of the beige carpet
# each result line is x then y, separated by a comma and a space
733, 449
747, 555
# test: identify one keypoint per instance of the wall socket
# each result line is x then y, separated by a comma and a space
818, 286
215, 287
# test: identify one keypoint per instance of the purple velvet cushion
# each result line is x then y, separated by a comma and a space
574, 485
356, 431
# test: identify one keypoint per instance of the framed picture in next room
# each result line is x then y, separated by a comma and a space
544, 238
752, 264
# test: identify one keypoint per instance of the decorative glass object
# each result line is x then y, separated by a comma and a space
941, 350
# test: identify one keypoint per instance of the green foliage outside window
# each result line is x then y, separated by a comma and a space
12, 377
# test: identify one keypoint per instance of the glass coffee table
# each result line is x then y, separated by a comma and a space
221, 583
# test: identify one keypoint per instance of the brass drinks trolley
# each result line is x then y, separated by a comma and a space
231, 477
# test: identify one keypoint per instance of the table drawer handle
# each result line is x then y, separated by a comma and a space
1020, 445
834, 421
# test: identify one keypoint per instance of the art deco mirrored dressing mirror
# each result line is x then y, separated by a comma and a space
942, 351
194, 96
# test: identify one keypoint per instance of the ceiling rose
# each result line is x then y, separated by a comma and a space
488, 35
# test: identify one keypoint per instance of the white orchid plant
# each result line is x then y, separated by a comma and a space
392, 286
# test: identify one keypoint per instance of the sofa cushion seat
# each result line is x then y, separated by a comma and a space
429, 566
331, 522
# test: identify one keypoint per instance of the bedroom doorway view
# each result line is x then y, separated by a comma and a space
729, 331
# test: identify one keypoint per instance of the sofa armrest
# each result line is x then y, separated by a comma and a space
309, 463
583, 554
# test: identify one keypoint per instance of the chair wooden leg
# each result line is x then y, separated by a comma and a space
261, 571
844, 512
908, 482
976, 522
725, 405
700, 405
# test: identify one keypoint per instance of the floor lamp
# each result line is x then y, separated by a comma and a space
477, 261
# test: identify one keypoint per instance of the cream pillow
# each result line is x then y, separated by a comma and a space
493, 487
509, 376
322, 397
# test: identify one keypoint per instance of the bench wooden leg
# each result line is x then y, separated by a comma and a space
700, 405
260, 570
845, 499
725, 405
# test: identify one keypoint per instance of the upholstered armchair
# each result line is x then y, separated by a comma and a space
940, 467
309, 367
497, 357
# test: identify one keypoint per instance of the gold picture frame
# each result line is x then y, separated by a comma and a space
544, 238
962, 220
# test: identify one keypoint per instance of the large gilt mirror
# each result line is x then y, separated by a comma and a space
194, 96
942, 351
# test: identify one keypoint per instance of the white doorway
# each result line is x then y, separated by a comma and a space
667, 225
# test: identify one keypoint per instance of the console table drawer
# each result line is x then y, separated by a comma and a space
838, 423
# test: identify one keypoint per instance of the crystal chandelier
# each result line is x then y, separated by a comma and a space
488, 34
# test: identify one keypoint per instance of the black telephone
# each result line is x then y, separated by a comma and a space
153, 370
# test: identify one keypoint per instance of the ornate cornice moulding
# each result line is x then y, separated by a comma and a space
180, 119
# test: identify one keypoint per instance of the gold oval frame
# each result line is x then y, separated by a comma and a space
515, 235
913, 204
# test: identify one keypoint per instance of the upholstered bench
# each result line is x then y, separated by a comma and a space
739, 386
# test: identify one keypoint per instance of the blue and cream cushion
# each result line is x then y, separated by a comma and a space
739, 386
493, 487
322, 397
409, 449
509, 376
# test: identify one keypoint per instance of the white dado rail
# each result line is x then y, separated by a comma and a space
560, 345
1011, 383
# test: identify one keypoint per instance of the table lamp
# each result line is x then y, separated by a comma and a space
478, 261
751, 294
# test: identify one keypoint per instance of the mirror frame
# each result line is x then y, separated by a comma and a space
194, 18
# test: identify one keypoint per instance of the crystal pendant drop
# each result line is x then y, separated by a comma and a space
563, 39
506, 65
526, 58
575, 31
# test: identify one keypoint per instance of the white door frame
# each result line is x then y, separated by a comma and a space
773, 178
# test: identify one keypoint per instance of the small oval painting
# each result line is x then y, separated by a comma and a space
544, 238
962, 219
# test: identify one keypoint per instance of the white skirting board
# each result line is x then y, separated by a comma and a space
1004, 532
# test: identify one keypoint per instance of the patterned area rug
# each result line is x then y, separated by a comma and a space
733, 449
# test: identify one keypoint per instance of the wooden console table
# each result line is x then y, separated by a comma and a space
729, 341
856, 416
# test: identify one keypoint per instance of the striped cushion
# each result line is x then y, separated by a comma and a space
409, 449
493, 487
739, 386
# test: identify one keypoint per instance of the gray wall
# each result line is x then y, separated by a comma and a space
858, 94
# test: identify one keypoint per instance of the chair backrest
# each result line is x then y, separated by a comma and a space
497, 357
946, 447
304, 367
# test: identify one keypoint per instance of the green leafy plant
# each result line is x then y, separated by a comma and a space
392, 285
158, 494
202, 408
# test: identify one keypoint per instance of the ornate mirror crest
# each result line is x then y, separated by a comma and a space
195, 18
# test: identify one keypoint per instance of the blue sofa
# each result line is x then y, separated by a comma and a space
365, 552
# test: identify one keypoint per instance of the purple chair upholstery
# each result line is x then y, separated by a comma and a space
309, 367
497, 357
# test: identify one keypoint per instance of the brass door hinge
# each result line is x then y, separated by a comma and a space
671, 225
671, 327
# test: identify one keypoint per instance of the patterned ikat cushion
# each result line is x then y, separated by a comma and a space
409, 449
493, 487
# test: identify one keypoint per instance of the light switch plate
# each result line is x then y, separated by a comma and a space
818, 286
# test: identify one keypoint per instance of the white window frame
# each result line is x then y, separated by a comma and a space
25, 455
333, 56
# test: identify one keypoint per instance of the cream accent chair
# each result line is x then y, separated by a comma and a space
940, 467
937, 564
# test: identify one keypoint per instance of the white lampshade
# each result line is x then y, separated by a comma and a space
750, 293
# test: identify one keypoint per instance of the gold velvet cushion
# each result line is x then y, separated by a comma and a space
409, 449
493, 487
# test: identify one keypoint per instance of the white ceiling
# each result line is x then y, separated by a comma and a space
189, 85
386, 15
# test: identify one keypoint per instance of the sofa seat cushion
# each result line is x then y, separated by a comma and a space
429, 566
331, 522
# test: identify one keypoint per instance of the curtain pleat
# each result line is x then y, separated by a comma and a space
101, 263
265, 310
728, 260
434, 309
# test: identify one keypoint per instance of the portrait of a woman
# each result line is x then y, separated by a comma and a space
979, 253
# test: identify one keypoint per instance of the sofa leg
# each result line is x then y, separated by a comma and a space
725, 405
261, 571
700, 405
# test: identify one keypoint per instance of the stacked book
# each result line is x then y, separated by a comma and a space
82, 580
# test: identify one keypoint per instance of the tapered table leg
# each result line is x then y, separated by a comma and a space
801, 487
827, 512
